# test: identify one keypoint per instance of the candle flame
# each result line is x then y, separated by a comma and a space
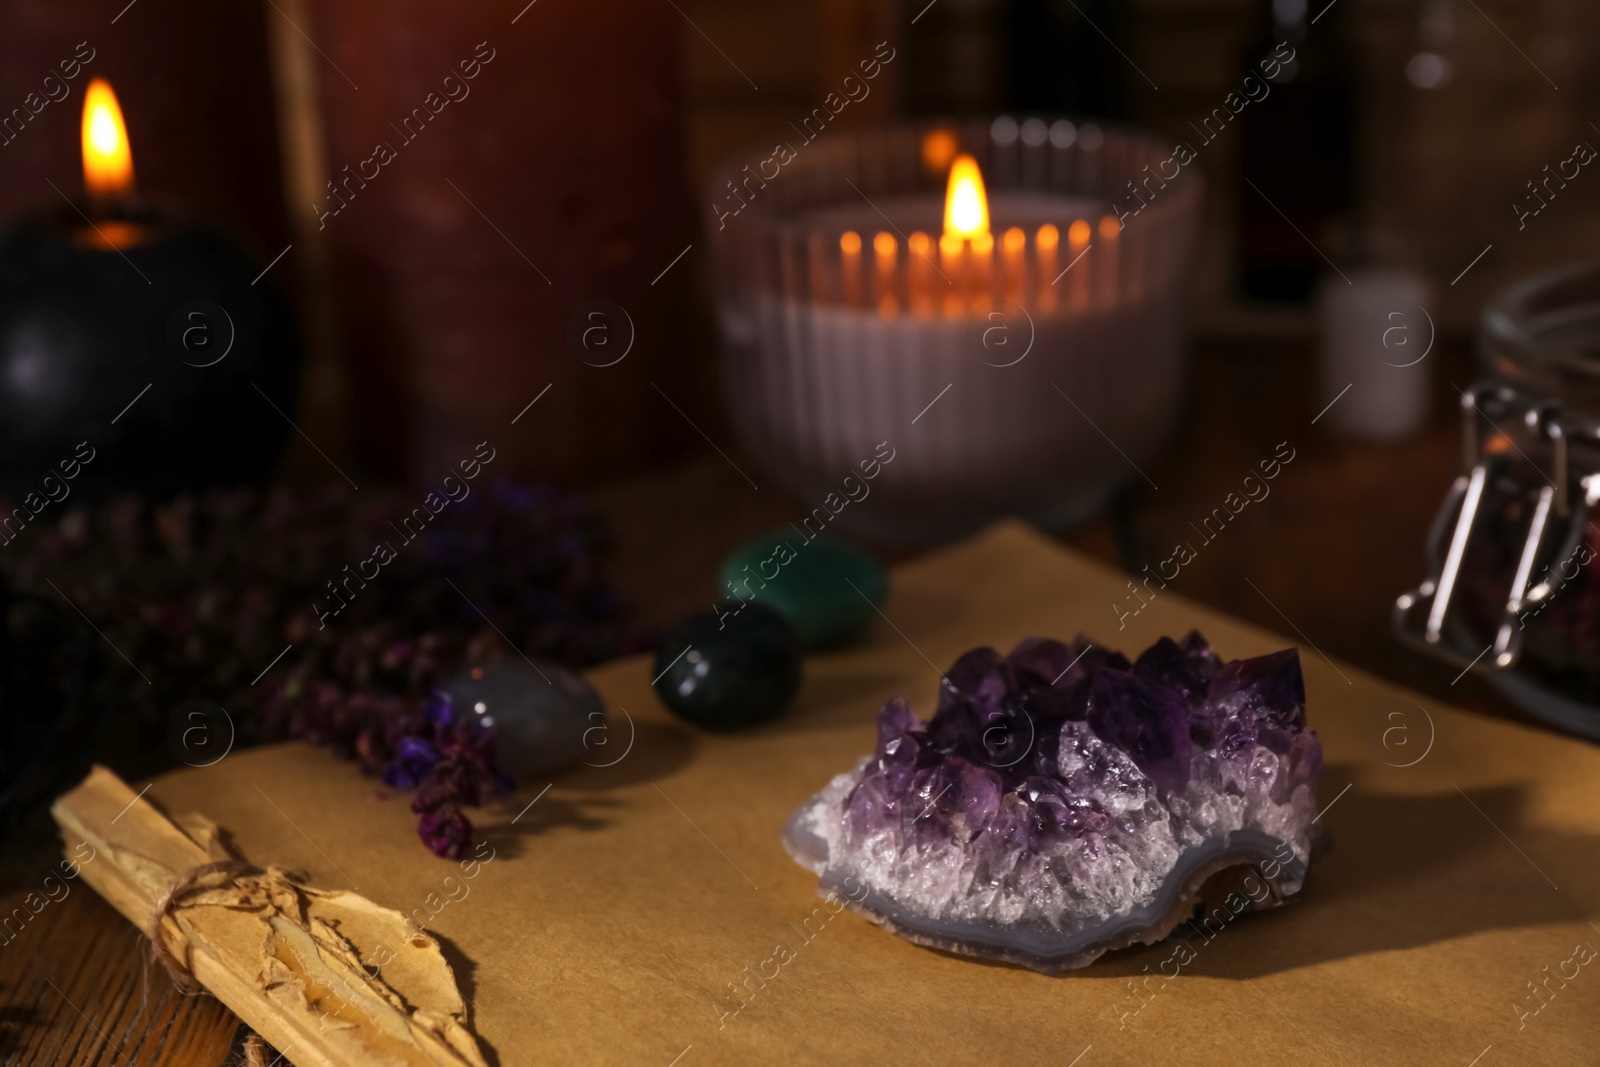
107, 160
966, 207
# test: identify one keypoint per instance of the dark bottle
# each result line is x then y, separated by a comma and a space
1297, 142
1064, 57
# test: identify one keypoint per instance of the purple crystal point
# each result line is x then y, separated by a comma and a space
1041, 661
871, 807
1063, 801
1199, 650
1055, 813
1303, 766
1145, 720
898, 760
1167, 663
977, 681
1270, 688
1053, 676
959, 794
895, 721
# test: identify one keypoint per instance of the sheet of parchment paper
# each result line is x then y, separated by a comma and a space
612, 920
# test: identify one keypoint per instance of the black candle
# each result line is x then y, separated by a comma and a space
139, 347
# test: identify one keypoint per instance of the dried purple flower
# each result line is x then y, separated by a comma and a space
446, 831
210, 589
437, 708
411, 765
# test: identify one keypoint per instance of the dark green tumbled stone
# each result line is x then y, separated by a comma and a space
732, 667
829, 591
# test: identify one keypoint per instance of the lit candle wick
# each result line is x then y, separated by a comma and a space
1107, 270
952, 260
919, 281
850, 249
1078, 280
883, 252
966, 220
1013, 246
1045, 244
981, 275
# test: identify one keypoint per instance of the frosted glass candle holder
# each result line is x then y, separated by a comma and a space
1029, 371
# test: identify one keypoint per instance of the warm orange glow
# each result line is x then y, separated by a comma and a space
950, 245
1045, 244
938, 149
107, 160
1013, 244
919, 284
1077, 282
982, 278
966, 207
883, 250
109, 234
952, 263
850, 246
1105, 275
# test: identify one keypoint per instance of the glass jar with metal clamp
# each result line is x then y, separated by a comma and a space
1513, 587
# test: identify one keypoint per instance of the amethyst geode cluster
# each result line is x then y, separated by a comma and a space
1063, 802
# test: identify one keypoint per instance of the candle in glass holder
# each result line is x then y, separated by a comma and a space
1020, 327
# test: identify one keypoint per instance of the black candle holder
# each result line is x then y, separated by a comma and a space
140, 349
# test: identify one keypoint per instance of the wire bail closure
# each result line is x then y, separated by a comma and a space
1422, 617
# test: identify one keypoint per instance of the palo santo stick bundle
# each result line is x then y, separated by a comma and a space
328, 977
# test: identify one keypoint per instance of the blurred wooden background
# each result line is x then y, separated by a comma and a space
1443, 165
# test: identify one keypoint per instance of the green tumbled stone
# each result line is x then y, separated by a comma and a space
829, 591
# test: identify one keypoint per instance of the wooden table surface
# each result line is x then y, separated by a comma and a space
1323, 556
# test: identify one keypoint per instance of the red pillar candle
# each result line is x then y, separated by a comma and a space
492, 174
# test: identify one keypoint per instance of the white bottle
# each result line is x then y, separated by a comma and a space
1376, 336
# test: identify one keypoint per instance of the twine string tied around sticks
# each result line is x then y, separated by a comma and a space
183, 885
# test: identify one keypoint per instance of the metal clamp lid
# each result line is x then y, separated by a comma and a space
1422, 617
